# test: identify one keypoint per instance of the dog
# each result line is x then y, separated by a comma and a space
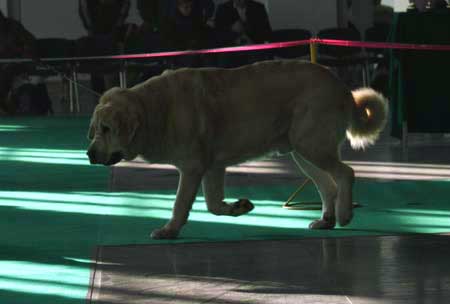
202, 120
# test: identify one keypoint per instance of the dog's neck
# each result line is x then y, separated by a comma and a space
153, 116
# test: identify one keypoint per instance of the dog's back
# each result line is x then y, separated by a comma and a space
248, 111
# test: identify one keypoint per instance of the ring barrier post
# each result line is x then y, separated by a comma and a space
305, 205
313, 50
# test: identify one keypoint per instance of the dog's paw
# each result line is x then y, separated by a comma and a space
344, 218
164, 234
323, 224
242, 206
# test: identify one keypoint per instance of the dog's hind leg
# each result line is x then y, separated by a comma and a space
213, 189
327, 188
332, 177
344, 177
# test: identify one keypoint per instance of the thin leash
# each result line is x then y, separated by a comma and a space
64, 76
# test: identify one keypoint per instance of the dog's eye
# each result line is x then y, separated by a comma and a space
105, 129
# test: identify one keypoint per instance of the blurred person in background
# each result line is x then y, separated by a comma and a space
145, 38
149, 13
242, 22
423, 5
15, 42
173, 19
204, 8
383, 14
439, 4
186, 29
103, 17
104, 20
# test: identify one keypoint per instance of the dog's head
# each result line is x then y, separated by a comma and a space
113, 127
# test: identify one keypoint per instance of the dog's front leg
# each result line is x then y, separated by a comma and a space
213, 183
187, 190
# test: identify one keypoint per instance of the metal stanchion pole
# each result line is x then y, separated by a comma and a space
77, 95
123, 75
304, 205
405, 139
71, 89
313, 51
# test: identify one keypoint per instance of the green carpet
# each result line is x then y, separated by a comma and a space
55, 209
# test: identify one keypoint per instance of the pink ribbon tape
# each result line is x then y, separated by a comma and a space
277, 45
259, 47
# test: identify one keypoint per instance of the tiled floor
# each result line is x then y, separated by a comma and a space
358, 270
363, 270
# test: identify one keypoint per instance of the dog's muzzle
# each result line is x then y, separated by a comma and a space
91, 153
113, 159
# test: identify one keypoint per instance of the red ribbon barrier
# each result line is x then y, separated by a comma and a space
257, 47
245, 48
277, 45
383, 45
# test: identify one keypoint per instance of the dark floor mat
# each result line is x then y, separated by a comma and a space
389, 269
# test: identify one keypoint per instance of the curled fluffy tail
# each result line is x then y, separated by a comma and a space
368, 119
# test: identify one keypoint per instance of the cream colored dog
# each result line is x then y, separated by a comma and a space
203, 120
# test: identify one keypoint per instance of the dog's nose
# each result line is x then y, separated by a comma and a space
91, 154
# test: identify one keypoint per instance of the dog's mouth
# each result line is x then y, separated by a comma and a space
114, 159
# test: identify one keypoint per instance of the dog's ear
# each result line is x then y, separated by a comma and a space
91, 132
124, 111
127, 125
125, 120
